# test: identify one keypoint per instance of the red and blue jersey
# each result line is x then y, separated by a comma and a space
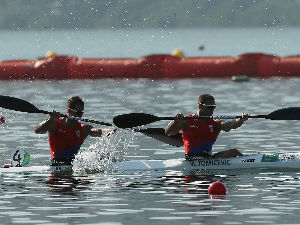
65, 142
199, 137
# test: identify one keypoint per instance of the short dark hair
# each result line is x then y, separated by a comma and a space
204, 97
75, 100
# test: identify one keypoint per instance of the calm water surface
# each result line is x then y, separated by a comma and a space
136, 43
161, 197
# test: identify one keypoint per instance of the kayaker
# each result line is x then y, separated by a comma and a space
67, 135
199, 135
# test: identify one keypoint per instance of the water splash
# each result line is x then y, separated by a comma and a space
9, 116
107, 149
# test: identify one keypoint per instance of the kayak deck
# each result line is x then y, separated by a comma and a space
258, 161
285, 161
36, 169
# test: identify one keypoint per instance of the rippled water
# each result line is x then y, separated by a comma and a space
153, 197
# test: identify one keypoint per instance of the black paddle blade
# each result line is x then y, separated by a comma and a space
291, 113
17, 104
134, 119
159, 134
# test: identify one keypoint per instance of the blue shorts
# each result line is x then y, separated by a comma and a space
195, 156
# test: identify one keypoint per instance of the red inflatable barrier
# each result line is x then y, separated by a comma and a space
152, 66
288, 66
20, 69
145, 67
198, 67
50, 68
53, 68
247, 64
276, 66
103, 68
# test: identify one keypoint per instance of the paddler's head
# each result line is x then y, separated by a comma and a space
206, 104
75, 106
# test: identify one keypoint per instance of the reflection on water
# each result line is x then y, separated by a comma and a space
66, 183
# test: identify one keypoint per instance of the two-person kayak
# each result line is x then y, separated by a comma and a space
278, 161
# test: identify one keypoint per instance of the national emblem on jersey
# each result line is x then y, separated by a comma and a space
61, 131
78, 133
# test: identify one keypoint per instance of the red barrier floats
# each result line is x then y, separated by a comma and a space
153, 66
14, 69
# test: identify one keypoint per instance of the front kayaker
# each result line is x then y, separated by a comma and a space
199, 135
67, 135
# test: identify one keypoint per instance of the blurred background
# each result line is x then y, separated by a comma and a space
134, 28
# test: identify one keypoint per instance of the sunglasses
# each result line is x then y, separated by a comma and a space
77, 111
209, 106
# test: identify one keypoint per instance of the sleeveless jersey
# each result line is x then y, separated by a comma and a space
199, 137
66, 142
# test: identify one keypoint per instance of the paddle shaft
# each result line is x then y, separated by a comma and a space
212, 117
75, 118
20, 105
138, 119
156, 133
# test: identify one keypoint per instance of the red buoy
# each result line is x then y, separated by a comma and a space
217, 188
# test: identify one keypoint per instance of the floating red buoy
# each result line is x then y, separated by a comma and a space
2, 119
217, 188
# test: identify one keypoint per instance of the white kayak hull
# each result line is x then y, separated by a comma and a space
259, 161
61, 168
283, 161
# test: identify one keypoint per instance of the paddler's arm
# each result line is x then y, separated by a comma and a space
233, 124
48, 125
97, 132
176, 125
